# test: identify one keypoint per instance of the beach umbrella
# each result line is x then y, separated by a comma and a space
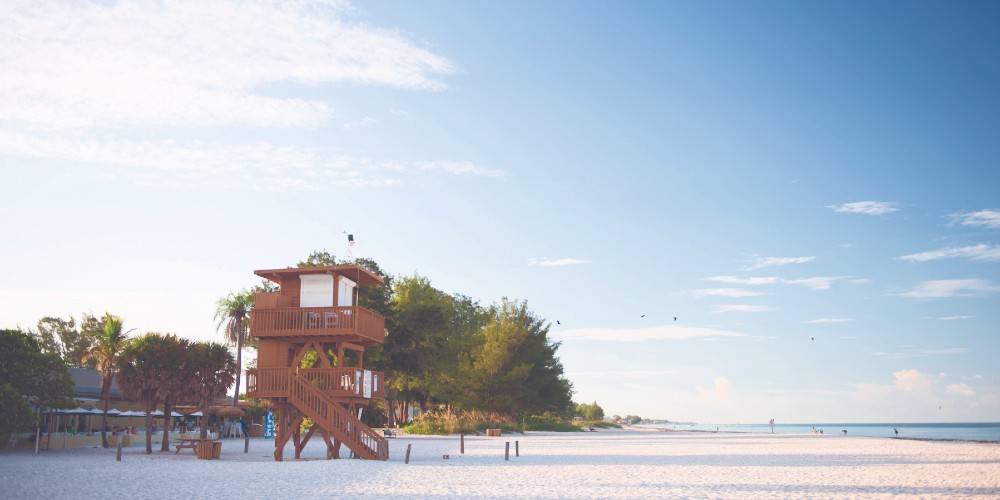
114, 411
157, 414
175, 414
230, 412
196, 414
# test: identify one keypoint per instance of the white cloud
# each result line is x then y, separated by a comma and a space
364, 122
974, 252
725, 292
955, 318
866, 207
912, 352
951, 288
721, 394
817, 283
989, 218
109, 84
746, 308
556, 262
913, 380
960, 389
196, 63
760, 262
829, 320
663, 332
769, 280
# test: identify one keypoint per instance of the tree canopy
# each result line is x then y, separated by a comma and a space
29, 377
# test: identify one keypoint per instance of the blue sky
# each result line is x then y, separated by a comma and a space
811, 189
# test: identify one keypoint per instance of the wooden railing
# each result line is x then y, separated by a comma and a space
298, 321
345, 427
335, 382
268, 382
345, 382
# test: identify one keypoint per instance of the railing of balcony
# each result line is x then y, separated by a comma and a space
273, 300
341, 382
268, 382
317, 321
347, 382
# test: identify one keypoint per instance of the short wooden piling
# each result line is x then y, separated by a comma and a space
246, 443
407, 459
506, 451
461, 443
517, 449
118, 454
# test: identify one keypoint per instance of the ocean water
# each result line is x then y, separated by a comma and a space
985, 431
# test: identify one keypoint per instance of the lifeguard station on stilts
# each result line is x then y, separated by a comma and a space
316, 308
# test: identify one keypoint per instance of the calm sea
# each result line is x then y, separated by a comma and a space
988, 431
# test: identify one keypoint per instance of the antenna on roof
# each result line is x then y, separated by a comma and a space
350, 243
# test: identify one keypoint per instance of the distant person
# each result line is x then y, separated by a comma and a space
894, 430
814, 429
845, 432
243, 427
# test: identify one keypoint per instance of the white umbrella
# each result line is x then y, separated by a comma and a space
157, 414
114, 411
196, 414
175, 414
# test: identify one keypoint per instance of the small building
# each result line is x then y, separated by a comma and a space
316, 310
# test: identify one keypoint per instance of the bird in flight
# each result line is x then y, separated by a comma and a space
813, 338
643, 316
557, 322
675, 318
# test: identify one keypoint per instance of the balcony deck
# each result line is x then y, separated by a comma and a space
338, 383
352, 324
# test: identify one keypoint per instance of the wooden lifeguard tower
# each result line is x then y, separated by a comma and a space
316, 308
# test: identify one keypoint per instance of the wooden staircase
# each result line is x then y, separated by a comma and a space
337, 420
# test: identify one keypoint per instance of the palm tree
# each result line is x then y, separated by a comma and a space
143, 366
212, 370
233, 311
108, 343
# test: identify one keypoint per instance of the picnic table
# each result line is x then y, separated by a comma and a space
206, 449
187, 443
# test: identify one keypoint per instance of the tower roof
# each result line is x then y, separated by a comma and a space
354, 272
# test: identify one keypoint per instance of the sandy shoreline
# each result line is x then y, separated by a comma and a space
633, 463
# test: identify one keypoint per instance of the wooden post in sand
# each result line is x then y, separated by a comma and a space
407, 459
246, 443
517, 449
118, 455
461, 443
506, 451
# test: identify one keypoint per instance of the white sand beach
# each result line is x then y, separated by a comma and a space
631, 463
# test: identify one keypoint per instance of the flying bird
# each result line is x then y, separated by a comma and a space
557, 322
813, 338
675, 318
643, 316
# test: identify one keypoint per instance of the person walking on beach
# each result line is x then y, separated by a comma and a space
894, 430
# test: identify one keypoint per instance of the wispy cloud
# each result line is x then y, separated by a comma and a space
725, 292
829, 320
761, 262
109, 84
556, 262
866, 207
982, 252
742, 308
816, 283
989, 218
936, 289
665, 332
363, 122
913, 352
960, 389
955, 318
769, 280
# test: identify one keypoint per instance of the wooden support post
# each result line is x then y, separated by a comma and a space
461, 443
246, 443
407, 459
506, 451
118, 454
517, 449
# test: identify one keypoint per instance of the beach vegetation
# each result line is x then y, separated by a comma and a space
212, 370
108, 343
147, 366
233, 314
589, 412
29, 377
68, 340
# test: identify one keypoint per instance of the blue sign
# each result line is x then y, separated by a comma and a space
269, 428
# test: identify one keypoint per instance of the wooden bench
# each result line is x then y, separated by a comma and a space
389, 433
187, 443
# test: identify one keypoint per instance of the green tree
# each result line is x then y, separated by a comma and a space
64, 338
144, 365
212, 370
233, 312
591, 411
29, 377
104, 352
